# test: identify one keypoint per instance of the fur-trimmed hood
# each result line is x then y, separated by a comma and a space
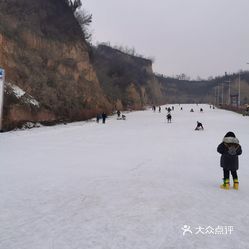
231, 140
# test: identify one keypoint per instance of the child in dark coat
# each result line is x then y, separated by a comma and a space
169, 117
230, 149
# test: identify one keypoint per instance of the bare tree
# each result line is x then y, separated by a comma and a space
74, 4
182, 76
84, 19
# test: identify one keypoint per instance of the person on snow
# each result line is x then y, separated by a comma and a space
199, 126
118, 113
104, 116
169, 117
159, 109
98, 117
229, 149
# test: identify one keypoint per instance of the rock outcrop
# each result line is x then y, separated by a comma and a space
44, 52
53, 75
127, 80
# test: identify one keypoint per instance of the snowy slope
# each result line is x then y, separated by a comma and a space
126, 184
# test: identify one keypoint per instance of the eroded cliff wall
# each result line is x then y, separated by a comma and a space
43, 52
128, 81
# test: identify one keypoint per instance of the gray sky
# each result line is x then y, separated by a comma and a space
196, 37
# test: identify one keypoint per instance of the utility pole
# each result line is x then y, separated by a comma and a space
2, 79
218, 95
229, 91
239, 92
215, 97
222, 94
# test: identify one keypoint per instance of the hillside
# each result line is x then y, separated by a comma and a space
44, 53
223, 83
186, 91
205, 91
127, 80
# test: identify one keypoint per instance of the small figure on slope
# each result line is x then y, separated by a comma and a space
199, 126
169, 117
104, 116
229, 149
98, 117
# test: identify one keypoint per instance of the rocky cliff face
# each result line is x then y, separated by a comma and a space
127, 80
53, 75
44, 53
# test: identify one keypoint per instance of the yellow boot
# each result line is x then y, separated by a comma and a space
236, 184
226, 184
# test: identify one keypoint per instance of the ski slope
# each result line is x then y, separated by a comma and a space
128, 184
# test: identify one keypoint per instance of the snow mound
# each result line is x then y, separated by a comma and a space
21, 94
17, 91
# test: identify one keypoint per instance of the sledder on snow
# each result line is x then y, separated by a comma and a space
199, 126
123, 117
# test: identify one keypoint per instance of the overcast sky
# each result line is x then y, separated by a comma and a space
196, 37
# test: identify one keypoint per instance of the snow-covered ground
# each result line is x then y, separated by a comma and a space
124, 184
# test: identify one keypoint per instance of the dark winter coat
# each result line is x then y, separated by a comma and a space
169, 116
229, 150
